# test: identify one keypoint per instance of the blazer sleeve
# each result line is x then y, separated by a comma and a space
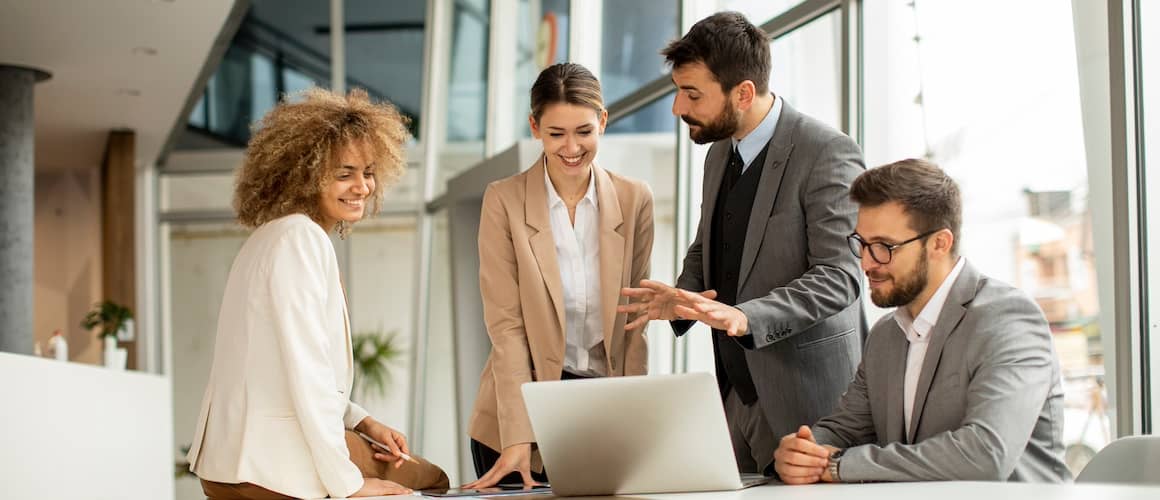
354, 414
636, 348
298, 284
831, 283
1013, 371
852, 423
503, 316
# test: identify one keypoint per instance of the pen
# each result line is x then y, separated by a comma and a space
371, 440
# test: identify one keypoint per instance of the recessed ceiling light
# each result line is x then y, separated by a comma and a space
128, 92
142, 50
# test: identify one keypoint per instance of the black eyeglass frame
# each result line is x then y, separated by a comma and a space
863, 245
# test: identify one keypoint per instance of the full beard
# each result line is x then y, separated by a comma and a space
724, 125
906, 290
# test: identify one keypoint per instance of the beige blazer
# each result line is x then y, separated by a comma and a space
523, 303
278, 399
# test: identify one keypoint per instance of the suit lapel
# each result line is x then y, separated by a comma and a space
895, 364
542, 243
715, 163
612, 262
780, 147
961, 293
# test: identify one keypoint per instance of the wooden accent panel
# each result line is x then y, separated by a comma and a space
118, 245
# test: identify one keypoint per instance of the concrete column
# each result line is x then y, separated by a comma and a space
16, 209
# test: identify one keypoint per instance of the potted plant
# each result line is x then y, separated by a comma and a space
373, 353
111, 318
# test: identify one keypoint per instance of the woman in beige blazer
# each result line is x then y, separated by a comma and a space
277, 420
556, 244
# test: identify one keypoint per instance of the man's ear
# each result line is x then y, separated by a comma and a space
944, 241
745, 93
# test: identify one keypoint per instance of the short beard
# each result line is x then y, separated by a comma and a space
905, 290
723, 126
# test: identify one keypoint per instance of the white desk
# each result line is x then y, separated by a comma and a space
955, 490
927, 491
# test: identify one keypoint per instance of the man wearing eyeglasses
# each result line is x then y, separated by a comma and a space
961, 383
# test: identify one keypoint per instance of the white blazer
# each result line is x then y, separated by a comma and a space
278, 400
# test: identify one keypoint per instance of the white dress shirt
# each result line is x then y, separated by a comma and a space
578, 256
918, 333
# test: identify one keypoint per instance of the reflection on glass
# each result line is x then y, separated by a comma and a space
972, 104
651, 157
543, 41
384, 51
467, 93
634, 34
757, 11
806, 69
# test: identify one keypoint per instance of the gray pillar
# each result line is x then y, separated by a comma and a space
16, 215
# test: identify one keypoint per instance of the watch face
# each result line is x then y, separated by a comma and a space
836, 454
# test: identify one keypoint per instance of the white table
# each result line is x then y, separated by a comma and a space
952, 490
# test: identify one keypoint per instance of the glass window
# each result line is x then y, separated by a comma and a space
634, 34
1001, 114
806, 69
466, 107
651, 157
467, 96
543, 41
758, 11
1150, 73
384, 52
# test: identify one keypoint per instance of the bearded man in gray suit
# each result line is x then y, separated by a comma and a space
961, 383
768, 269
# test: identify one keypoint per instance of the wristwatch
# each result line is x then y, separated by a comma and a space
832, 465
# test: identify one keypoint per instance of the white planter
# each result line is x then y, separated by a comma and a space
114, 357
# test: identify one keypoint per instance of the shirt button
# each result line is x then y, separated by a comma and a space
728, 215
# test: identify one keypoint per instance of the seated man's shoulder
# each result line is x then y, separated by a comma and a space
1000, 310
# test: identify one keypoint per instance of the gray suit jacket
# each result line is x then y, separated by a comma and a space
988, 406
799, 285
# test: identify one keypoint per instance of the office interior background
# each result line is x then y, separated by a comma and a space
1042, 110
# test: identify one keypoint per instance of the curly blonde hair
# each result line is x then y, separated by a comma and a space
295, 150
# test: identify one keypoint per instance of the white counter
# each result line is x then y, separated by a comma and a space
83, 432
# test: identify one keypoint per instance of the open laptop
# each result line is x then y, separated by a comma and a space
632, 435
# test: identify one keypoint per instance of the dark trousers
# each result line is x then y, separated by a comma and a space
484, 458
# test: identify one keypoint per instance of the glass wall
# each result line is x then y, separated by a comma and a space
806, 69
757, 11
1001, 114
633, 35
543, 41
651, 157
466, 107
1149, 68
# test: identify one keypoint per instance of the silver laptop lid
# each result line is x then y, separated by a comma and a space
628, 435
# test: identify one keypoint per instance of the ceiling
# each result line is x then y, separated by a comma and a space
115, 64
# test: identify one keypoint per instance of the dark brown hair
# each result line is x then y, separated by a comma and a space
731, 47
295, 150
568, 83
928, 195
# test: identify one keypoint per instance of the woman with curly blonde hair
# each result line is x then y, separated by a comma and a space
277, 420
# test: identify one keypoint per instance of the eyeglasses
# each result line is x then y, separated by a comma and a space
882, 253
